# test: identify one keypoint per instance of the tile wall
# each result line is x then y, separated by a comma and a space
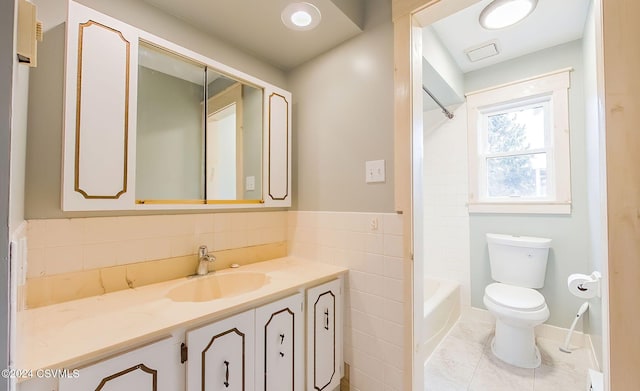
446, 219
60, 246
370, 245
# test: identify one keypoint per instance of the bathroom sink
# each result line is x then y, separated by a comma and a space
217, 286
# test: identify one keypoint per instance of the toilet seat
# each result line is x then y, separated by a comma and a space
515, 297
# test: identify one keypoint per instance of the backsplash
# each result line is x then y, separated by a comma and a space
370, 245
60, 246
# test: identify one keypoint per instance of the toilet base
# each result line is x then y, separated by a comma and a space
515, 345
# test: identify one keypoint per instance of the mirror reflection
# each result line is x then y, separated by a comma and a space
199, 133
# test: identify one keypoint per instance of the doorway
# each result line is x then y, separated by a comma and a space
588, 193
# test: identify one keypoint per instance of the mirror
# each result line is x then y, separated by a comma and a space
199, 133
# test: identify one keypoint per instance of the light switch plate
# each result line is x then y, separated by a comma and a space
374, 171
250, 183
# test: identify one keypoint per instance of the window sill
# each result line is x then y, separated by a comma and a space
557, 208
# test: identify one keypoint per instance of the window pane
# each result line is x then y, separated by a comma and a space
517, 176
513, 131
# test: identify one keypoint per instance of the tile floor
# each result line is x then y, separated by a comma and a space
464, 361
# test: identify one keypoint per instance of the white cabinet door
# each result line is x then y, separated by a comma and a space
324, 336
277, 147
100, 112
220, 355
279, 345
154, 367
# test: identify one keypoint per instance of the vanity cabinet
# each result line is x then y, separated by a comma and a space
155, 367
220, 355
324, 336
280, 345
261, 349
124, 147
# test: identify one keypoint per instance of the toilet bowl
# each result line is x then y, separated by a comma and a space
517, 311
518, 264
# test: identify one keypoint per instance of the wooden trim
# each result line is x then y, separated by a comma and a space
315, 381
293, 347
204, 355
622, 115
402, 114
77, 188
525, 80
403, 8
141, 367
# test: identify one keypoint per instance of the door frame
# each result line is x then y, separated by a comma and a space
409, 16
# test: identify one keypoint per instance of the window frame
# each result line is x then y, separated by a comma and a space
552, 89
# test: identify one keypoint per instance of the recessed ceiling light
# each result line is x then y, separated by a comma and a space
300, 16
503, 13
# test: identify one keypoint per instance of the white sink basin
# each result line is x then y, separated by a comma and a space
218, 286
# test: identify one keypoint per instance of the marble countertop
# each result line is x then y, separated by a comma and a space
79, 331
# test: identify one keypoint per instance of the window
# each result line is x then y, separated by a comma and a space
519, 147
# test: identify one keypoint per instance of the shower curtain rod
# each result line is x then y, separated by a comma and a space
444, 109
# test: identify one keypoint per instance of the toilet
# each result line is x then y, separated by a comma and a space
518, 264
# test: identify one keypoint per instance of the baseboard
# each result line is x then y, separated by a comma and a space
547, 331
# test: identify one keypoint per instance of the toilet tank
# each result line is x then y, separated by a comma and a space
518, 260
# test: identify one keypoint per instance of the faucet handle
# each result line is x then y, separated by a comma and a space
202, 251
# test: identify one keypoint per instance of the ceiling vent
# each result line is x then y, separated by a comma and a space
485, 50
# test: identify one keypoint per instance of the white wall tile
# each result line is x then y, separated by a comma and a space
392, 378
393, 289
59, 260
393, 224
374, 311
374, 288
393, 267
393, 245
99, 255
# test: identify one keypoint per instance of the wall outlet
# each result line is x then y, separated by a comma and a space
373, 224
374, 171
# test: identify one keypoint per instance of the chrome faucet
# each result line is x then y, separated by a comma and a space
203, 261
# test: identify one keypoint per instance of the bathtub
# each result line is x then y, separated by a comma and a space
441, 311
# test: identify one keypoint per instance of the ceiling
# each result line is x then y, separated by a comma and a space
254, 26
552, 23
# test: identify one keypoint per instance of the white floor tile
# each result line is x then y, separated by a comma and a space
464, 362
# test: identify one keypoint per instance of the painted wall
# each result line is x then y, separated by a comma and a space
169, 137
446, 219
570, 251
596, 183
342, 117
44, 148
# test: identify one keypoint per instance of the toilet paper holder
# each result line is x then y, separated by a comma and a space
585, 286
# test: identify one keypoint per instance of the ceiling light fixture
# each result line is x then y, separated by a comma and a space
300, 16
503, 13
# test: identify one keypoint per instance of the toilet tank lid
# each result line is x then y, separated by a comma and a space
519, 241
